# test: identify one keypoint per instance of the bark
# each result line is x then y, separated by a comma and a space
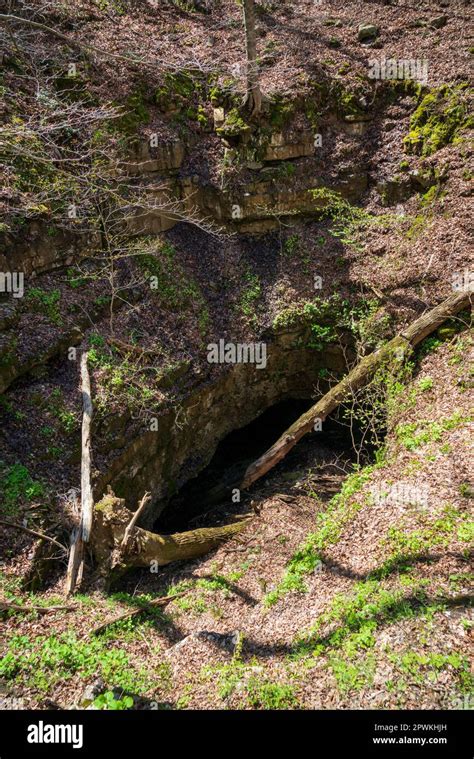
75, 564
127, 538
117, 544
144, 548
81, 535
253, 98
7, 606
357, 378
87, 501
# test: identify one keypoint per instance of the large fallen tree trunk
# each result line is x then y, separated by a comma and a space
142, 548
358, 377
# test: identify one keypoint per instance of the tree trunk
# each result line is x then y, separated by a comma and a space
253, 97
81, 535
144, 548
87, 502
357, 378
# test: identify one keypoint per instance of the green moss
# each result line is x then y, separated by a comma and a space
280, 112
346, 101
178, 89
234, 125
135, 114
439, 119
224, 93
17, 487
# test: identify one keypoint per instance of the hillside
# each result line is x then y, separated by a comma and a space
149, 215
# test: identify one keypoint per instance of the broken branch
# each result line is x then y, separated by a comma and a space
35, 533
134, 612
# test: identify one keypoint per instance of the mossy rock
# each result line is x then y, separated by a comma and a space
234, 125
135, 114
439, 119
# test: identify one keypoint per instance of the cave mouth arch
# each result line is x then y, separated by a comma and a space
213, 486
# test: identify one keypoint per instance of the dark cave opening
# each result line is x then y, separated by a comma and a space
214, 484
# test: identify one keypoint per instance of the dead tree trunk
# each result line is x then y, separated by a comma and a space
87, 502
81, 534
142, 548
357, 378
253, 97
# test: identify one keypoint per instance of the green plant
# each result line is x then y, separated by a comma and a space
46, 303
348, 220
17, 487
329, 526
251, 293
426, 383
108, 701
352, 675
44, 661
263, 694
412, 435
74, 278
234, 125
168, 279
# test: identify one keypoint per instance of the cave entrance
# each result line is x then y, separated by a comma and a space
203, 494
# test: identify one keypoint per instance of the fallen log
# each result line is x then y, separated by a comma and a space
8, 606
118, 544
358, 377
144, 548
